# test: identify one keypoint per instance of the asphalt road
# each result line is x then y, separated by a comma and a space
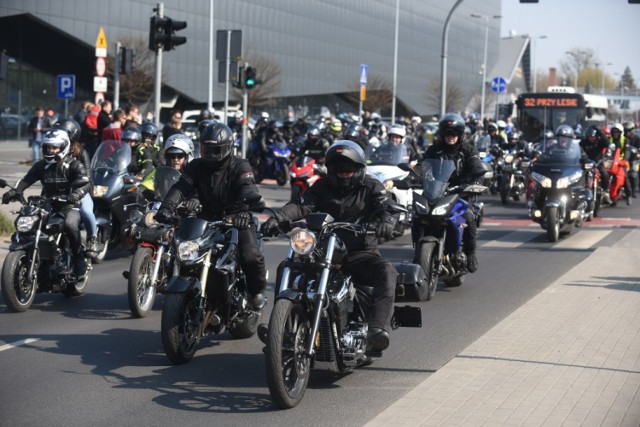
85, 360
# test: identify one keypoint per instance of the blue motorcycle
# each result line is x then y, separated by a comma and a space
274, 165
438, 223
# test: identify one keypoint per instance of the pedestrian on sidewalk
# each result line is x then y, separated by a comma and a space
38, 126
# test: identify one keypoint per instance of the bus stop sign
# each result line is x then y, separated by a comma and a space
498, 85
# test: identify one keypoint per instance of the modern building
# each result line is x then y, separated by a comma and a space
317, 46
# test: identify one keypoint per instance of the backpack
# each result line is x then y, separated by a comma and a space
92, 118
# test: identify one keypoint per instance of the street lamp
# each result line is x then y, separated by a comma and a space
395, 65
534, 78
443, 65
484, 63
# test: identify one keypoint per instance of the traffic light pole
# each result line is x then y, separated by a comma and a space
158, 81
226, 79
245, 117
116, 78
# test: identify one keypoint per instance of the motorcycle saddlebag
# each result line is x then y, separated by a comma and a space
410, 278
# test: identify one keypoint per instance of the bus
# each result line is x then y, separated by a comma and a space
545, 111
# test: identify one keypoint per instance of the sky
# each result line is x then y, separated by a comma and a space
610, 27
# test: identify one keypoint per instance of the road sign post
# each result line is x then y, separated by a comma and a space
364, 76
66, 90
498, 85
99, 81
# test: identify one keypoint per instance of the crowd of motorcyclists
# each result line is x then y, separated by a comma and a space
214, 181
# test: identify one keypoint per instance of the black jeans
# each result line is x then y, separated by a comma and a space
252, 260
72, 229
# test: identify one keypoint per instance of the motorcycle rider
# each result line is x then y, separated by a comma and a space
377, 128
595, 145
395, 151
149, 133
469, 170
496, 138
348, 194
618, 139
634, 141
73, 130
217, 183
354, 133
61, 175
315, 146
142, 158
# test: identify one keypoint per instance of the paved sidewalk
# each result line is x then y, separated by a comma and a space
568, 357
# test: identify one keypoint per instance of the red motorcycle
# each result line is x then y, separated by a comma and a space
304, 172
616, 168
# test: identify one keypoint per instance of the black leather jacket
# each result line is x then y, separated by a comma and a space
57, 178
220, 189
469, 167
367, 201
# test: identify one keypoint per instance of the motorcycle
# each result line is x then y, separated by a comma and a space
439, 222
39, 258
511, 176
319, 315
275, 165
487, 157
382, 164
304, 173
114, 192
561, 199
193, 306
617, 168
152, 262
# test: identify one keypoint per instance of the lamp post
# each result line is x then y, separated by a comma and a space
484, 61
443, 66
395, 66
534, 77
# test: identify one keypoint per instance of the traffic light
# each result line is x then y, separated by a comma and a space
126, 60
162, 33
250, 79
171, 40
239, 79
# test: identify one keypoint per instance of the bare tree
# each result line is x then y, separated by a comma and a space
268, 72
138, 85
455, 95
378, 97
578, 60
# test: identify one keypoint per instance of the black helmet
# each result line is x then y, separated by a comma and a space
204, 123
592, 131
566, 131
313, 133
514, 136
132, 134
149, 131
492, 126
353, 132
345, 155
451, 124
70, 126
216, 142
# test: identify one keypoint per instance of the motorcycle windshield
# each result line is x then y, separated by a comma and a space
112, 155
281, 147
554, 153
436, 177
484, 143
389, 154
163, 181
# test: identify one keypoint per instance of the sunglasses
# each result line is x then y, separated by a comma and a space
175, 156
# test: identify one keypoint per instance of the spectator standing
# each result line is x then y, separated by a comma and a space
114, 131
133, 116
174, 126
104, 118
38, 125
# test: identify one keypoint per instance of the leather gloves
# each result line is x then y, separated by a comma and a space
9, 196
164, 215
385, 227
73, 198
242, 220
193, 205
270, 227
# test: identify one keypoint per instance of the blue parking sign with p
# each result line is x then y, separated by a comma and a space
66, 86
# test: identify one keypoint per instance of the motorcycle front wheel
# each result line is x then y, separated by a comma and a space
105, 241
428, 258
288, 367
180, 327
553, 225
140, 290
17, 293
504, 189
283, 175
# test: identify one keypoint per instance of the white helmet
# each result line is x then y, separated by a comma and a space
55, 138
501, 124
416, 119
179, 143
239, 114
398, 130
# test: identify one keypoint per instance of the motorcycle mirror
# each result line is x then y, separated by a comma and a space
3, 183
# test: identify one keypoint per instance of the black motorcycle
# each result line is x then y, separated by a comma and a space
195, 305
561, 198
152, 262
439, 222
319, 318
511, 174
114, 192
39, 258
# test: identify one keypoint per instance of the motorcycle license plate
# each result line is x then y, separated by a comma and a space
406, 316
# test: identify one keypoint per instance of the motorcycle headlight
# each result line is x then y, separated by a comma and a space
188, 251
100, 190
607, 164
302, 241
509, 158
566, 181
440, 210
388, 184
541, 179
25, 224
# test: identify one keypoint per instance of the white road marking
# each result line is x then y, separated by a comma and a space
512, 240
18, 343
585, 239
